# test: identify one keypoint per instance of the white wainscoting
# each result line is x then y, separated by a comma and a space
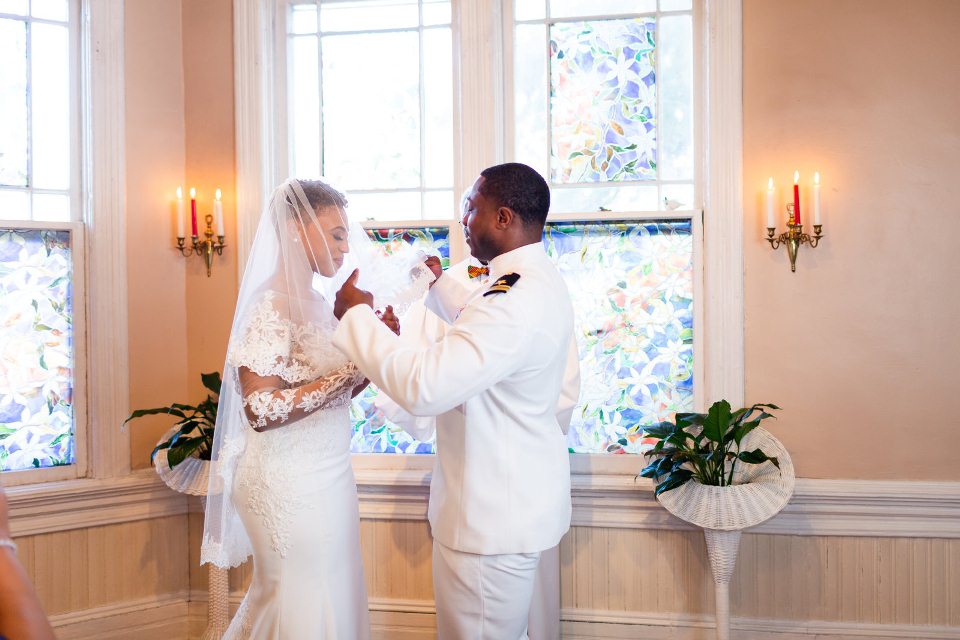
836, 509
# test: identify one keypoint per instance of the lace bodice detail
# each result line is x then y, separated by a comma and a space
273, 345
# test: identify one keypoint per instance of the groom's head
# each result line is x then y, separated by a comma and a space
505, 209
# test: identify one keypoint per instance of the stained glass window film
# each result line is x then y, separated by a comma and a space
603, 102
632, 289
372, 431
36, 349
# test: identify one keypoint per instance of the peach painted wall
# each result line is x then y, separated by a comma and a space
155, 166
210, 164
860, 345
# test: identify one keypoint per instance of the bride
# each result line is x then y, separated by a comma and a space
281, 484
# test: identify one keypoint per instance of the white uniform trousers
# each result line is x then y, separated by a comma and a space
482, 597
544, 619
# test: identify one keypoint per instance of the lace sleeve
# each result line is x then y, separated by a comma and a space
268, 409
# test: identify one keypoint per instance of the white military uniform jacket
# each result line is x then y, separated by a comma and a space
502, 481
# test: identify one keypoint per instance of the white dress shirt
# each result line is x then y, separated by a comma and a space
502, 481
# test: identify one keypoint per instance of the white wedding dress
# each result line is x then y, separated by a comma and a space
281, 487
294, 488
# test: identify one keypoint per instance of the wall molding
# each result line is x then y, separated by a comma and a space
157, 618
859, 508
723, 203
104, 211
583, 624
81, 504
867, 508
253, 26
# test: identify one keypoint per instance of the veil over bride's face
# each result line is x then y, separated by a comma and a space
324, 237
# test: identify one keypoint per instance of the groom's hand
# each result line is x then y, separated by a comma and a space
433, 263
350, 295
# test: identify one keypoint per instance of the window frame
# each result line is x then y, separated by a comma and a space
81, 432
78, 248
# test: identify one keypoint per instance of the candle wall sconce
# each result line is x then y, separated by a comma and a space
205, 248
208, 246
794, 237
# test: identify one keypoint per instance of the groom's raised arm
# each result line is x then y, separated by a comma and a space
488, 342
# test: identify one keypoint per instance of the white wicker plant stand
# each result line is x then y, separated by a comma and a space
190, 477
759, 492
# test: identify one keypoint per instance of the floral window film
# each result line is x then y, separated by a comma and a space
372, 431
603, 105
632, 289
603, 100
36, 350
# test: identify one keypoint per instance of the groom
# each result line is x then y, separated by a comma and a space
501, 490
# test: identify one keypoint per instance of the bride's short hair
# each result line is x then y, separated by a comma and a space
320, 195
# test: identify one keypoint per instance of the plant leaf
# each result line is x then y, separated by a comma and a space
186, 446
717, 421
212, 381
757, 457
674, 480
139, 413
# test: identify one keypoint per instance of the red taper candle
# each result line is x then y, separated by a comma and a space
796, 197
193, 211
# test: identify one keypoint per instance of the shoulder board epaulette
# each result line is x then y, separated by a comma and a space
503, 284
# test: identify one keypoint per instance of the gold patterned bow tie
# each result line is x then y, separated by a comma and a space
476, 272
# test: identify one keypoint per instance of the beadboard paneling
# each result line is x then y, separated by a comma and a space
95, 567
896, 581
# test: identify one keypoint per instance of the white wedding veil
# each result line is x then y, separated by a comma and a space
304, 248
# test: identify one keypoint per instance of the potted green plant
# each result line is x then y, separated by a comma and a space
705, 447
699, 479
182, 455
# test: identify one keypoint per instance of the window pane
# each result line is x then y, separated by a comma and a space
16, 7
51, 207
530, 96
438, 103
371, 114
13, 103
305, 106
675, 5
36, 354
603, 104
51, 106
50, 9
373, 433
436, 12
529, 9
439, 205
574, 8
677, 196
675, 47
303, 18
14, 205
368, 15
404, 205
618, 198
632, 290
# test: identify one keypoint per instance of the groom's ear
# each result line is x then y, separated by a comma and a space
505, 217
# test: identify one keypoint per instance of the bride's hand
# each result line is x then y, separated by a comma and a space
390, 319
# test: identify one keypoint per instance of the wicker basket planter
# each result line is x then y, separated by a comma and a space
759, 492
